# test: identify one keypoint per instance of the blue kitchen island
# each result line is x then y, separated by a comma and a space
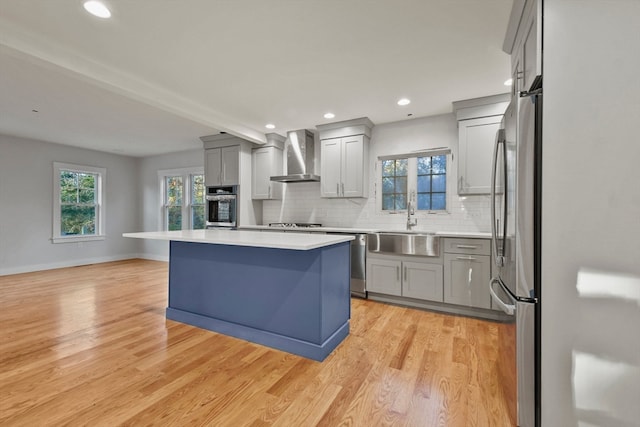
289, 291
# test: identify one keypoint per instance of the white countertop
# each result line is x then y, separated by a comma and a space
295, 241
311, 229
461, 234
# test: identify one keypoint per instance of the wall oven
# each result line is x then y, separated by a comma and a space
222, 205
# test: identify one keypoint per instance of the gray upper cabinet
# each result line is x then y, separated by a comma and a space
344, 158
222, 166
524, 43
478, 123
265, 163
476, 138
343, 165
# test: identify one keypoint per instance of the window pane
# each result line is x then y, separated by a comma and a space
68, 195
424, 202
439, 183
68, 187
197, 189
387, 202
388, 168
424, 183
439, 164
439, 201
432, 182
424, 165
401, 185
401, 167
86, 180
197, 217
76, 220
174, 218
86, 195
174, 190
394, 184
388, 185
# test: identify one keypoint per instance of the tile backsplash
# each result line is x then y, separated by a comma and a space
301, 202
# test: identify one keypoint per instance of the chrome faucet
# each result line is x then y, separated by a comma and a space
411, 211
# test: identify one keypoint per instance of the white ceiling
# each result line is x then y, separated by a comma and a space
161, 73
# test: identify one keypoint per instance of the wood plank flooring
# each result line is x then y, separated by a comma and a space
91, 346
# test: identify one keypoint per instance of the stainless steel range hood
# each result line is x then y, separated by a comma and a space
299, 147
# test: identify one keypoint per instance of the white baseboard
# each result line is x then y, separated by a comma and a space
76, 263
150, 257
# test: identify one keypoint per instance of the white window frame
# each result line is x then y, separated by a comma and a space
412, 180
101, 173
186, 174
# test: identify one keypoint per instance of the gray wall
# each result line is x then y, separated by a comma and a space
591, 214
26, 205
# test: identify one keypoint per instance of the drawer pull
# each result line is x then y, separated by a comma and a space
466, 258
466, 247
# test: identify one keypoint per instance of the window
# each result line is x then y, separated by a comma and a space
197, 201
422, 176
183, 204
432, 183
173, 202
394, 184
78, 205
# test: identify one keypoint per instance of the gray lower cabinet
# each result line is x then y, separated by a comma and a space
383, 276
467, 271
405, 276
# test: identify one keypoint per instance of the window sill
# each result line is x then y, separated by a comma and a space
72, 239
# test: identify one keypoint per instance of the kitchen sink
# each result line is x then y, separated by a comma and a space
404, 243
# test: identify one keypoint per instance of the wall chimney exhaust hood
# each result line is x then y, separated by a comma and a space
300, 150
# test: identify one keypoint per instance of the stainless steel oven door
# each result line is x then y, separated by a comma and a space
221, 210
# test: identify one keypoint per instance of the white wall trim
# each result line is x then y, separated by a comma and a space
154, 257
69, 263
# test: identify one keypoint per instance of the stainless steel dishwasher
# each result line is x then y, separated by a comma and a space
358, 264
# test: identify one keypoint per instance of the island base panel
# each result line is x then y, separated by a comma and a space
297, 298
279, 342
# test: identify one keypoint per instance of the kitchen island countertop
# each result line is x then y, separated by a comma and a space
294, 241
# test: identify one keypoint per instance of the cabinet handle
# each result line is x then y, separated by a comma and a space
337, 189
342, 188
466, 258
405, 273
466, 247
398, 273
269, 192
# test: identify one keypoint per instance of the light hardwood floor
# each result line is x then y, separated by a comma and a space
90, 346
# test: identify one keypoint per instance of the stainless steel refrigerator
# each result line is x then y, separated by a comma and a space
516, 228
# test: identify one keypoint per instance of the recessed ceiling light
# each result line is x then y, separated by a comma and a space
404, 101
270, 126
508, 82
97, 8
329, 116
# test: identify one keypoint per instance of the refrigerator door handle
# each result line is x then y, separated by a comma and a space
495, 223
510, 309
